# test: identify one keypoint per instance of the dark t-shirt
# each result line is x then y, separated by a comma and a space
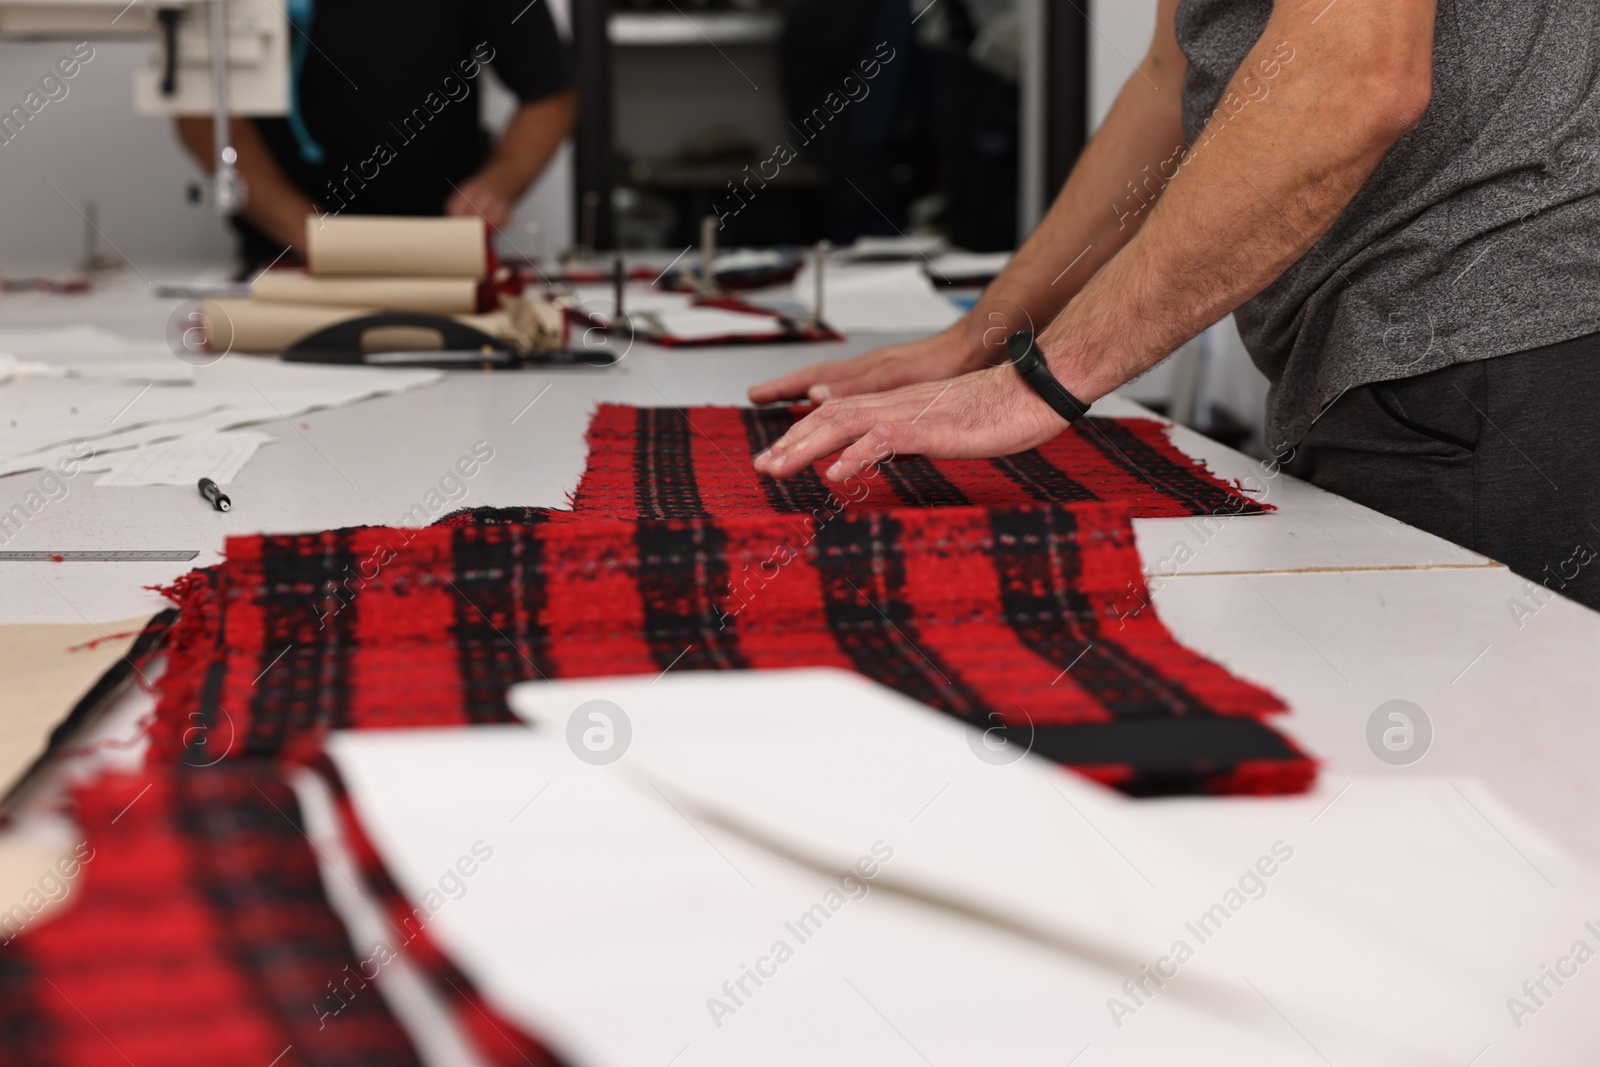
390, 92
1474, 238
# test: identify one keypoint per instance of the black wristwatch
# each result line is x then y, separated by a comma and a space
1031, 365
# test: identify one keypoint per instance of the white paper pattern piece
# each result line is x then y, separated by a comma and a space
955, 265
675, 314
870, 248
218, 456
44, 421
878, 298
1356, 911
12, 367
709, 324
600, 301
90, 352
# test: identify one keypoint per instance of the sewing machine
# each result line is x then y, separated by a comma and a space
217, 57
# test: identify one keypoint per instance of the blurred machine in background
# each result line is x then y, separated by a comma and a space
799, 120
217, 57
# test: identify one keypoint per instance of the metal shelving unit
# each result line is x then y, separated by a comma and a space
1058, 86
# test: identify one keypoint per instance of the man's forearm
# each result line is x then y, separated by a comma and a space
528, 143
272, 203
1252, 198
1104, 201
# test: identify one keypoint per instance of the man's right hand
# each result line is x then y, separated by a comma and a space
944, 355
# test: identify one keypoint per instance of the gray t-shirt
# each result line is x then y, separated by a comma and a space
1477, 236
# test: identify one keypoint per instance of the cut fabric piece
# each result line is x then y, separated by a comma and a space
1033, 621
680, 463
201, 935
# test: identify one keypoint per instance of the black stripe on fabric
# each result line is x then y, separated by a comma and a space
806, 491
1166, 756
499, 604
863, 581
1041, 479
27, 1033
683, 569
1121, 446
248, 852
209, 737
1037, 559
663, 466
304, 679
920, 484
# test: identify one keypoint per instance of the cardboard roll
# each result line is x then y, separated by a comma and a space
527, 327
391, 246
442, 296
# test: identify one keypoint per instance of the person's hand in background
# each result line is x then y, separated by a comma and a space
532, 136
481, 195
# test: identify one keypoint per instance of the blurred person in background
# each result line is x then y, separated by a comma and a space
385, 117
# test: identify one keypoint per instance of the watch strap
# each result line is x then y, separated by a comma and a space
1030, 363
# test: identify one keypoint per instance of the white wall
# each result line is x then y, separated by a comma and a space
1120, 34
92, 146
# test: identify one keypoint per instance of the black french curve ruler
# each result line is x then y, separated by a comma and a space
119, 556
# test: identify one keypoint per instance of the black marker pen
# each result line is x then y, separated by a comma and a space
218, 498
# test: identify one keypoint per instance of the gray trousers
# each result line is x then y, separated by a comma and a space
1500, 455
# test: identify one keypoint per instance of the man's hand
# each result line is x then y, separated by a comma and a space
532, 136
944, 355
990, 412
480, 195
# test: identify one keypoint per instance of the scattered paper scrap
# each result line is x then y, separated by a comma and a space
184, 461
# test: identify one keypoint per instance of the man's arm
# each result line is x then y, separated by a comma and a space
531, 138
1254, 199
272, 203
1256, 192
1097, 211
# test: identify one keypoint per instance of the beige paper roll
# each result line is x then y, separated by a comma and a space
260, 327
442, 296
397, 246
251, 326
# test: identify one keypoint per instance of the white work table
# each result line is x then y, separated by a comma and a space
1332, 605
1336, 607
372, 462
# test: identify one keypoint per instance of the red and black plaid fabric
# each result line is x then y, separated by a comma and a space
684, 463
199, 934
1032, 619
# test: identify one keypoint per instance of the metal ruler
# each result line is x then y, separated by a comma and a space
119, 556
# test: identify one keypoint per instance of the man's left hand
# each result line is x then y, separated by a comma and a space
987, 413
480, 196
